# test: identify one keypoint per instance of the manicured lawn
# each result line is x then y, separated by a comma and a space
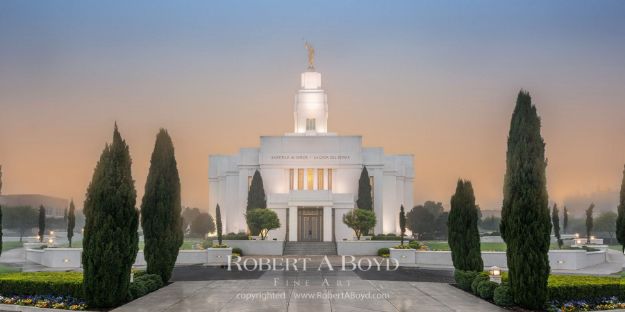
7, 269
444, 246
188, 244
10, 245
616, 247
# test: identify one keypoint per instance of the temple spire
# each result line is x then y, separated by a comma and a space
311, 56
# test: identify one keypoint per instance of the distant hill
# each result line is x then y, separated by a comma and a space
55, 206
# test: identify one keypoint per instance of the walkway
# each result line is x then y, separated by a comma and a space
316, 291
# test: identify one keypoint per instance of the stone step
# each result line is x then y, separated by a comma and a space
310, 248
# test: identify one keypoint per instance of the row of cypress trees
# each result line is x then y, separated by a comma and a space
110, 242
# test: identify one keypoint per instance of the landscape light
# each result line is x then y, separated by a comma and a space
494, 274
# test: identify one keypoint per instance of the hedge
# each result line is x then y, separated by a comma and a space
38, 283
577, 287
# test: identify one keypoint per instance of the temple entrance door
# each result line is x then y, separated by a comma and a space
310, 224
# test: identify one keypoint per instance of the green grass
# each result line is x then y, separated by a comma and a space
616, 247
7, 269
186, 245
444, 246
10, 245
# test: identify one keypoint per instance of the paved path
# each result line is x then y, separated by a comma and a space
316, 291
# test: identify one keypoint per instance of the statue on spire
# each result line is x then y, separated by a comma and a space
311, 55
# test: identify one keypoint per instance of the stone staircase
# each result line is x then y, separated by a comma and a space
309, 248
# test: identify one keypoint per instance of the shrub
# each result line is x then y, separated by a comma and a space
482, 276
414, 244
486, 289
236, 236
263, 220
143, 285
578, 287
502, 296
389, 236
360, 220
464, 278
34, 283
384, 252
402, 247
237, 250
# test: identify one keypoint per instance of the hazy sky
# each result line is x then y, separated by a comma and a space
436, 79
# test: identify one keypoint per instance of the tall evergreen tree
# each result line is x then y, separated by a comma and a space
464, 237
589, 222
218, 222
565, 220
620, 221
71, 222
161, 209
364, 191
42, 222
110, 242
555, 220
256, 195
525, 223
402, 223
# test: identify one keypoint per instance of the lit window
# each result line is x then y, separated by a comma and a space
310, 179
291, 178
330, 179
310, 124
320, 179
300, 179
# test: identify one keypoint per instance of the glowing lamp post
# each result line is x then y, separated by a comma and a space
494, 274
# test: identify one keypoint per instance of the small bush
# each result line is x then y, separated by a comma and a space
464, 279
481, 277
503, 296
382, 252
37, 283
414, 244
143, 285
389, 237
486, 289
236, 236
237, 250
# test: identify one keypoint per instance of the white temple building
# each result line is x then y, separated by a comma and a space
311, 176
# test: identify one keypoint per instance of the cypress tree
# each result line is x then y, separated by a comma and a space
525, 224
71, 222
589, 222
110, 242
161, 209
555, 221
464, 237
402, 223
256, 196
620, 220
364, 191
218, 222
42, 222
565, 220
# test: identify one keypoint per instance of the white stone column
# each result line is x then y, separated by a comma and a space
327, 224
293, 224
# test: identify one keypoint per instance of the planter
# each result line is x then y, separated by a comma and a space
218, 256
404, 256
362, 238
